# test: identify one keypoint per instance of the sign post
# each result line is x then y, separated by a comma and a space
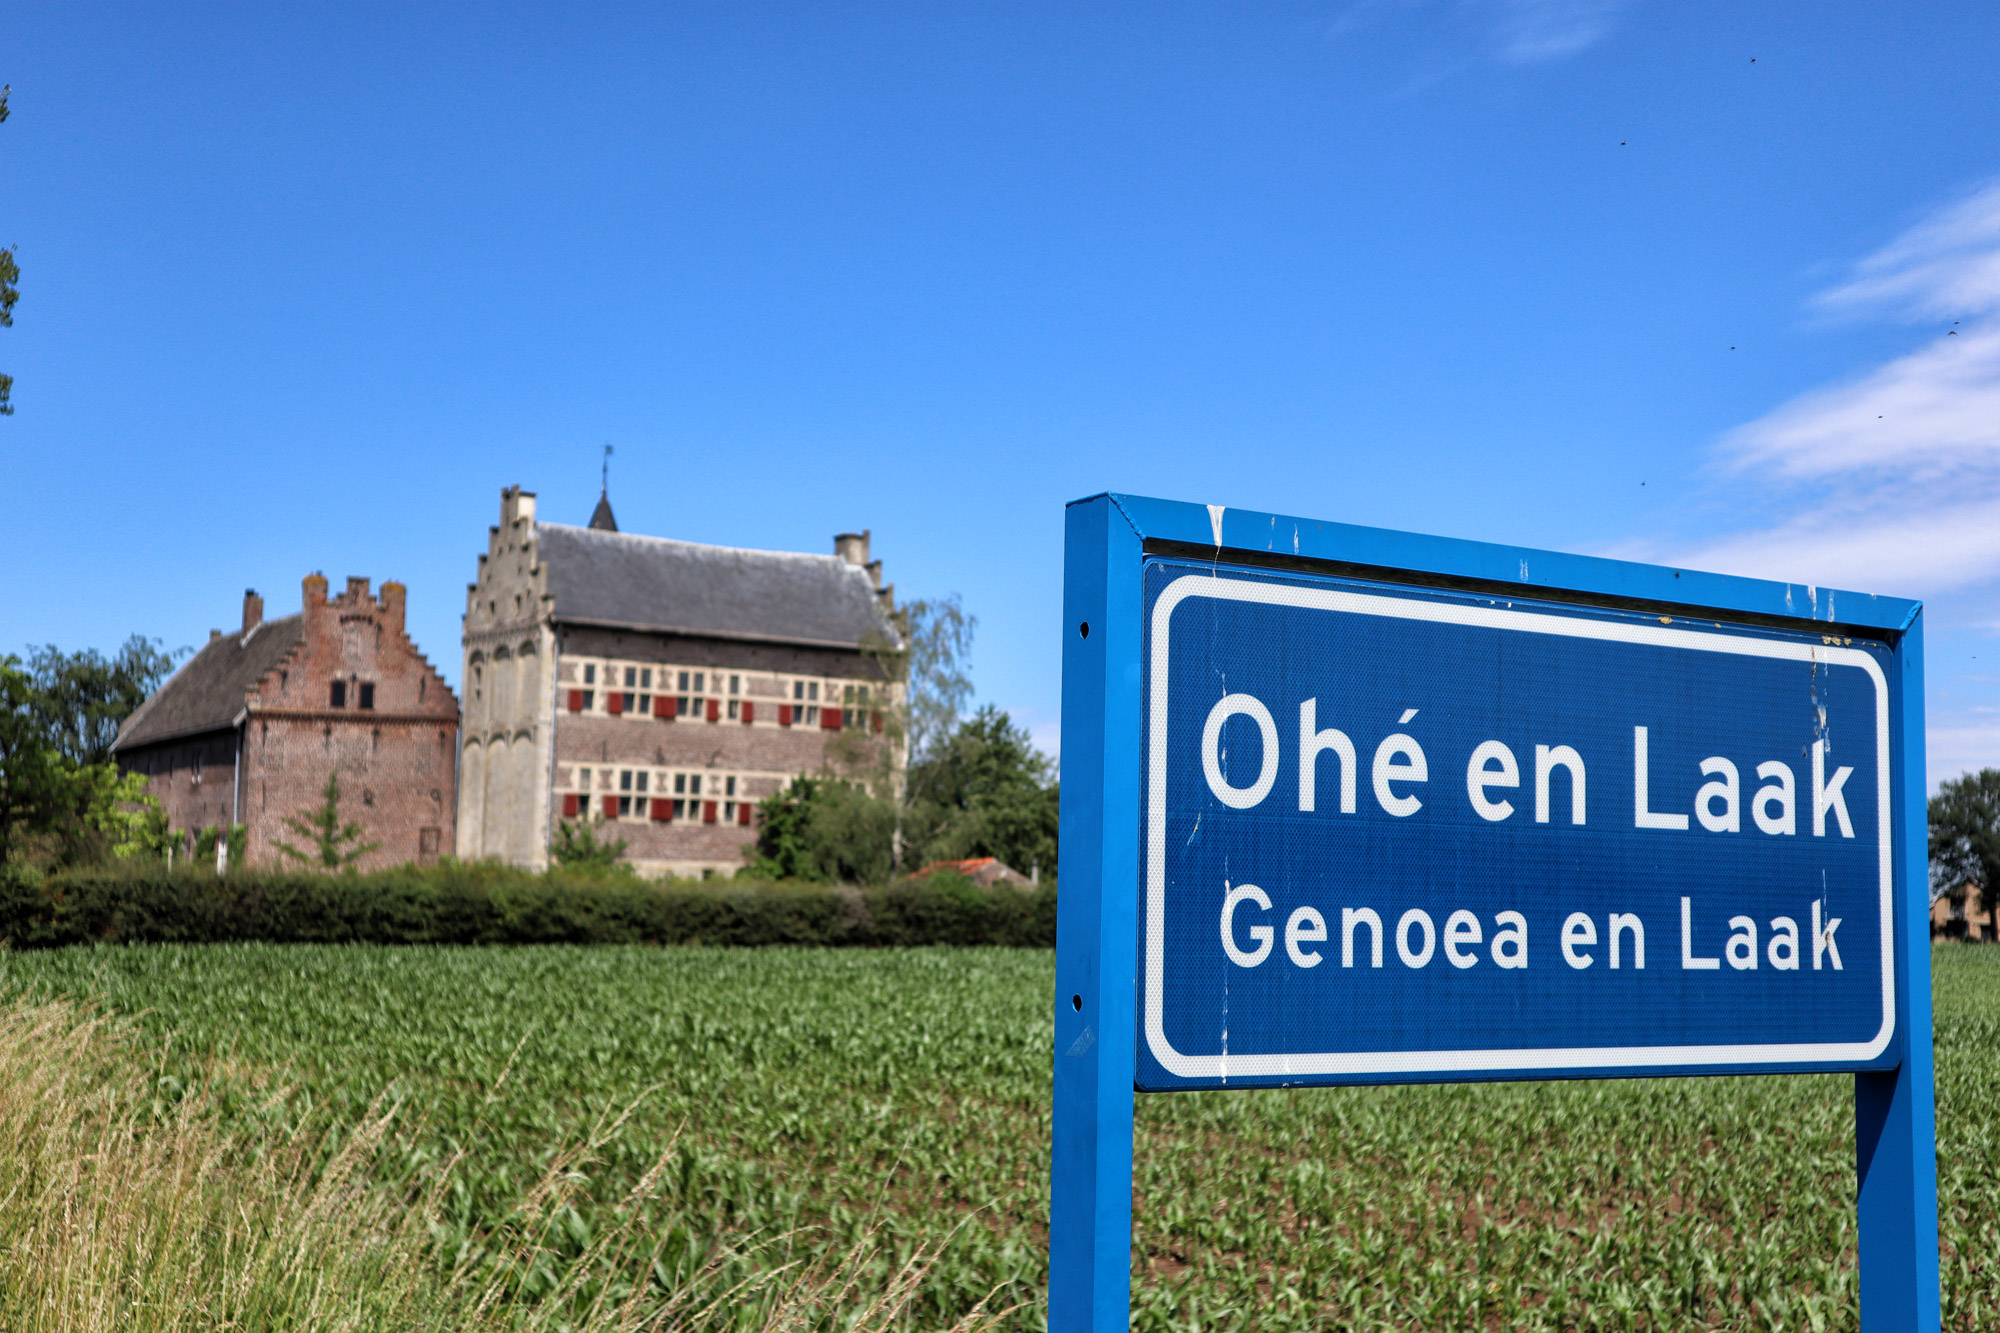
1349, 806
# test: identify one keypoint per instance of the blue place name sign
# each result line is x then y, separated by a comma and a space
1396, 833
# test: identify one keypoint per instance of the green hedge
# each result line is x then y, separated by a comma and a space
476, 904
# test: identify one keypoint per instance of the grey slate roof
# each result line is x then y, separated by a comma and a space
207, 692
625, 580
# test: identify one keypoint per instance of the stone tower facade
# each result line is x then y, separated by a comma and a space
660, 688
509, 639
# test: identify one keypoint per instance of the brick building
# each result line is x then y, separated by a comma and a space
661, 686
249, 727
1963, 914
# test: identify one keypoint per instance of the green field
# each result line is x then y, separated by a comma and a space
827, 1102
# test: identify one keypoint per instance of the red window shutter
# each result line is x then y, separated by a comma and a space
875, 720
614, 703
663, 707
708, 812
576, 701
749, 711
714, 709
784, 715
743, 812
570, 802
829, 719
662, 810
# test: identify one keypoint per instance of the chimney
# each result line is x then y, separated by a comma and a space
516, 504
357, 589
253, 610
852, 547
392, 604
313, 594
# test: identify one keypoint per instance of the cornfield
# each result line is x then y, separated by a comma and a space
353, 1137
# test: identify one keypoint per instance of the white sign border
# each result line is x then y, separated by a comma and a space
1363, 1063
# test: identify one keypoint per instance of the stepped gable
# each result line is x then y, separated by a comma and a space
625, 581
211, 689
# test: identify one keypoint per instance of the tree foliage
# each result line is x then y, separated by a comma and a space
334, 844
577, 846
10, 292
236, 837
972, 786
1965, 833
924, 668
985, 790
825, 830
83, 697
62, 802
936, 677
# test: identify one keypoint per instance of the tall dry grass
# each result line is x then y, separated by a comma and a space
119, 1210
123, 1210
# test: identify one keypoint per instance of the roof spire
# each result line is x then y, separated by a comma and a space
600, 517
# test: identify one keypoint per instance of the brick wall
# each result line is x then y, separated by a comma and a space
761, 758
396, 755
192, 778
395, 781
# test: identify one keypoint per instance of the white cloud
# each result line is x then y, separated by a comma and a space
1892, 479
1531, 31
1924, 417
1911, 554
1965, 748
1946, 265
1515, 32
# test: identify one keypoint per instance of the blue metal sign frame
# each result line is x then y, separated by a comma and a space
1106, 1046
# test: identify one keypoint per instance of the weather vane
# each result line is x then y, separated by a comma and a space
604, 478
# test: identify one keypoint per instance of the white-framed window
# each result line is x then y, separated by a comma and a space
632, 785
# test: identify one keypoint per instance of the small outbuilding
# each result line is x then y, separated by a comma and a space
986, 871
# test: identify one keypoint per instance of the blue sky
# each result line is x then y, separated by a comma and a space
305, 286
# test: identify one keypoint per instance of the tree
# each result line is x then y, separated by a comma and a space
824, 830
1965, 833
986, 791
26, 761
111, 813
577, 847
85, 697
335, 846
64, 804
936, 684
926, 669
10, 275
